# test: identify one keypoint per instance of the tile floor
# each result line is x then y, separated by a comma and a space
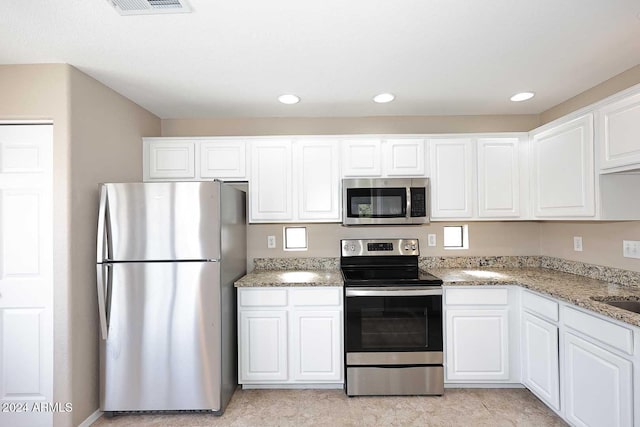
458, 407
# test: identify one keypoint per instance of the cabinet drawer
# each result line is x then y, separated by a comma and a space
262, 297
539, 305
476, 296
609, 333
316, 296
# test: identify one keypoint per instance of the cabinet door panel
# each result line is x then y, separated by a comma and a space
563, 174
597, 385
477, 345
263, 346
171, 159
361, 158
451, 178
405, 157
316, 346
498, 177
540, 359
222, 159
270, 189
318, 180
619, 127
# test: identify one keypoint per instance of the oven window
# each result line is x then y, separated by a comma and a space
376, 202
394, 323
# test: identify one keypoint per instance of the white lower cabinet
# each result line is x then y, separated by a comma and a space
318, 354
481, 344
598, 385
540, 367
263, 345
290, 336
477, 345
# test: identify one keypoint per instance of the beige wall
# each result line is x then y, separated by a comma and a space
348, 125
607, 88
106, 132
35, 92
601, 241
485, 238
96, 138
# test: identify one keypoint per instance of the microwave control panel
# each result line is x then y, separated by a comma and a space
418, 202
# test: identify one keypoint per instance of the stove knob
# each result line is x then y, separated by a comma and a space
413, 247
346, 247
353, 248
406, 247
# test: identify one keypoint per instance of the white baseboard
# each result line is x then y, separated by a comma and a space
91, 419
483, 385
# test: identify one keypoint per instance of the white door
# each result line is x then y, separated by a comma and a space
317, 180
263, 346
26, 275
477, 343
315, 346
597, 385
540, 371
451, 177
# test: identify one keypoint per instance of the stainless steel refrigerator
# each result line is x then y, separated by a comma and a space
168, 254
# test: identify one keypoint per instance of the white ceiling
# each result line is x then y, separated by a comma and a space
234, 57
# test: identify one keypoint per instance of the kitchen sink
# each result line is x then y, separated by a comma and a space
629, 305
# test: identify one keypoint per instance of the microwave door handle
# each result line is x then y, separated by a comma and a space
408, 203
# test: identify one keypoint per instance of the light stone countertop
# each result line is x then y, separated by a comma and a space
571, 288
267, 278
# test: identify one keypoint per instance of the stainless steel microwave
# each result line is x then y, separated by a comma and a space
385, 201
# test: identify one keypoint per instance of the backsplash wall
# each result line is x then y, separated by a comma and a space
601, 242
485, 239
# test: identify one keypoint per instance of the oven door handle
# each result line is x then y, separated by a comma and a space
391, 292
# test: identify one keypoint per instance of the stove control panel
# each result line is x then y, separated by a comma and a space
379, 247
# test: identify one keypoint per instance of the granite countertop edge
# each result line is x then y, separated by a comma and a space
566, 287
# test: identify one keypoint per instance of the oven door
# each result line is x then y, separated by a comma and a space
393, 326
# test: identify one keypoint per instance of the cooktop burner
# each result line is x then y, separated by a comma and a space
383, 262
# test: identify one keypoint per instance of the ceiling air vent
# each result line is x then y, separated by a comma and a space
147, 7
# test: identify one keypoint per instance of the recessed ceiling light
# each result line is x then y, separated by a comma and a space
522, 96
289, 99
383, 98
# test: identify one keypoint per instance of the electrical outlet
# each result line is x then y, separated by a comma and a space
271, 242
631, 249
577, 243
431, 239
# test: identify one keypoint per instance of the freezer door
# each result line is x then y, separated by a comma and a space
163, 221
163, 349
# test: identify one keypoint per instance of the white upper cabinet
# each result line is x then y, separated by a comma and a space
562, 170
380, 157
361, 157
270, 188
452, 177
404, 157
618, 125
317, 177
295, 181
193, 159
498, 177
169, 159
222, 159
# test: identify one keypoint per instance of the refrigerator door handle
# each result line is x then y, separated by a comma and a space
102, 212
101, 270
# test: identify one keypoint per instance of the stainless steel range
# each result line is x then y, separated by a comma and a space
393, 320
